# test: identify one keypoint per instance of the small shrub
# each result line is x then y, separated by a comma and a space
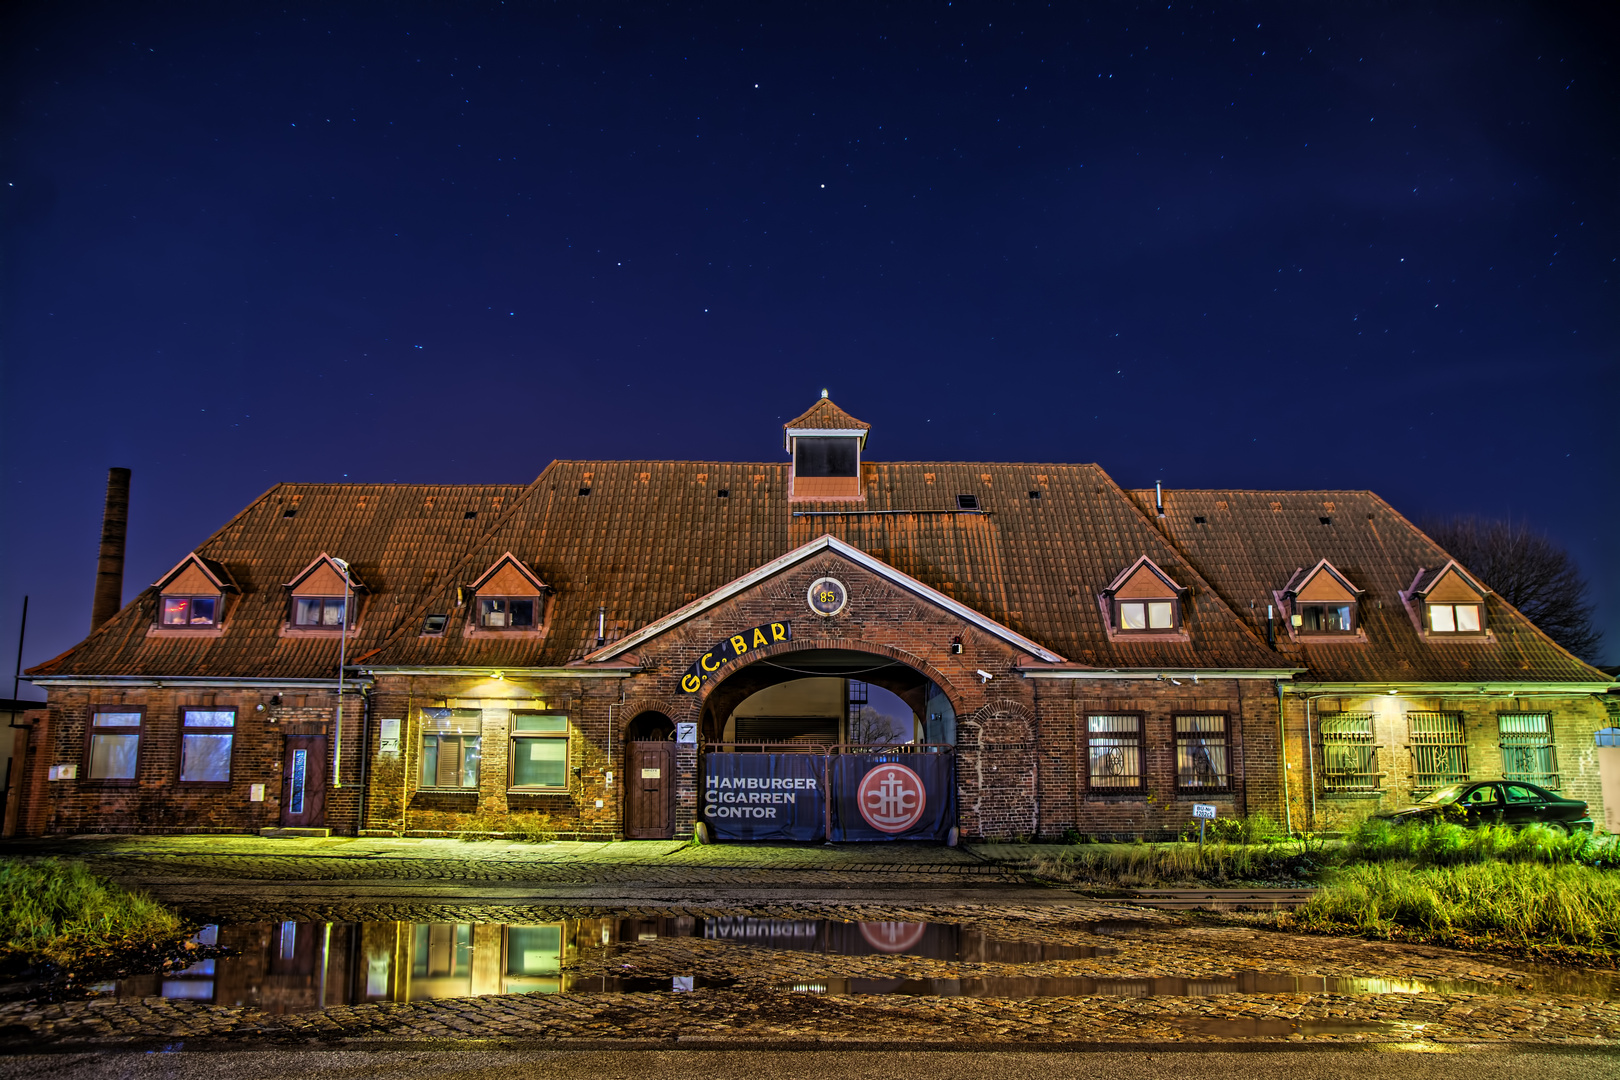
1141, 865
1251, 829
1446, 843
59, 911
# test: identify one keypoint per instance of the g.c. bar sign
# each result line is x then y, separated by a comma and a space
730, 649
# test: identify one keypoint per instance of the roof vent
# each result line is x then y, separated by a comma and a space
584, 491
1198, 520
723, 493
1325, 520
967, 502
290, 512
469, 515
1034, 494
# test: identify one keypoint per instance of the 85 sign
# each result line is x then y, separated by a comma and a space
827, 596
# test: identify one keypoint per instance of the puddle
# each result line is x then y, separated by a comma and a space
291, 966
1244, 982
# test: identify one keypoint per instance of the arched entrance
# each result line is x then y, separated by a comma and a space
649, 777
837, 744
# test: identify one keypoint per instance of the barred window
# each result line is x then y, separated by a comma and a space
1201, 757
1114, 753
1439, 750
1349, 755
1527, 748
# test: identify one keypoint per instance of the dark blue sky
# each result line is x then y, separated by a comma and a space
1238, 245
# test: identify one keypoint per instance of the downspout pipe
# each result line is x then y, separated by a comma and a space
1310, 750
1282, 746
343, 646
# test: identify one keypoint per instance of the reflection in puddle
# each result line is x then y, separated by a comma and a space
1244, 982
1257, 1027
301, 966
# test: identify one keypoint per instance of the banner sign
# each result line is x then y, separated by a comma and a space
730, 649
764, 796
893, 796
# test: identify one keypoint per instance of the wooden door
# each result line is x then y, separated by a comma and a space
649, 783
303, 782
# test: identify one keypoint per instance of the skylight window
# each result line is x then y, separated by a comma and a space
435, 624
967, 502
291, 511
584, 491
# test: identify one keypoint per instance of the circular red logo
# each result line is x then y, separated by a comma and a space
891, 798
893, 937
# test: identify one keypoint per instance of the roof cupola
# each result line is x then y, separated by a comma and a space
826, 444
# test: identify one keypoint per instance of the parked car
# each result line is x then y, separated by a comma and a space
1498, 802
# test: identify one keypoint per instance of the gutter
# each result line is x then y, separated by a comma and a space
182, 680
519, 672
1157, 673
1451, 689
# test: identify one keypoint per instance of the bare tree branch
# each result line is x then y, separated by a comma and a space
1529, 571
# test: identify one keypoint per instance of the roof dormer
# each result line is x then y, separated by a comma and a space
191, 596
1143, 601
1447, 604
321, 596
1321, 603
826, 444
508, 598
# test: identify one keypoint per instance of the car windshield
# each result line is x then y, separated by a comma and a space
1443, 796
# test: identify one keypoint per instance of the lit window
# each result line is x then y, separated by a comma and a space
189, 610
1201, 753
322, 612
1326, 618
506, 612
115, 742
1454, 618
539, 752
1114, 753
205, 745
1145, 615
451, 747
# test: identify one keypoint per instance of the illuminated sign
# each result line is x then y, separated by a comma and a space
730, 649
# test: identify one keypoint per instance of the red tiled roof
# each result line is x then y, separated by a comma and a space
1251, 543
825, 416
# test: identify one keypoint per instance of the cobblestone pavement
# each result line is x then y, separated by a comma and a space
1508, 1001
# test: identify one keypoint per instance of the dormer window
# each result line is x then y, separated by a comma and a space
324, 597
1447, 603
1454, 618
506, 612
1143, 600
189, 610
1320, 602
826, 444
192, 595
509, 597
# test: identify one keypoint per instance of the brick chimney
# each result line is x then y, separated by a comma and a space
110, 569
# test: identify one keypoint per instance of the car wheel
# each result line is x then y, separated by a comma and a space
1558, 827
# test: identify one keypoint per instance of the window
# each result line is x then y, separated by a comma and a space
1349, 755
1114, 753
539, 751
1201, 753
115, 741
189, 610
506, 612
435, 624
1454, 618
1527, 748
1325, 618
318, 612
967, 502
205, 745
1145, 615
825, 457
451, 745
1439, 749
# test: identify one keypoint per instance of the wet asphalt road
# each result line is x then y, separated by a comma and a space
1471, 1063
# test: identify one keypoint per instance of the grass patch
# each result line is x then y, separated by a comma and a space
1445, 843
59, 911
1566, 912
1135, 866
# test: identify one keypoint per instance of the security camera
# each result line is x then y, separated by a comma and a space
985, 675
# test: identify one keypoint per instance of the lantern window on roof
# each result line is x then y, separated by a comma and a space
1321, 603
1447, 604
1143, 600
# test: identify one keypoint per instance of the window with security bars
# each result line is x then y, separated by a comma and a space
1114, 753
1349, 755
1439, 749
1201, 757
1527, 748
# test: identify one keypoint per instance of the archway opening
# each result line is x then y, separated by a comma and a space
826, 697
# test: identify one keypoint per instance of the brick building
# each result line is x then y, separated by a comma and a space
426, 659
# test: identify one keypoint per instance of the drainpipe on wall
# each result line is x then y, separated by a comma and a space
343, 643
1310, 750
365, 754
1282, 745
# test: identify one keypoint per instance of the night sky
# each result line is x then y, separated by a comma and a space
1235, 245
